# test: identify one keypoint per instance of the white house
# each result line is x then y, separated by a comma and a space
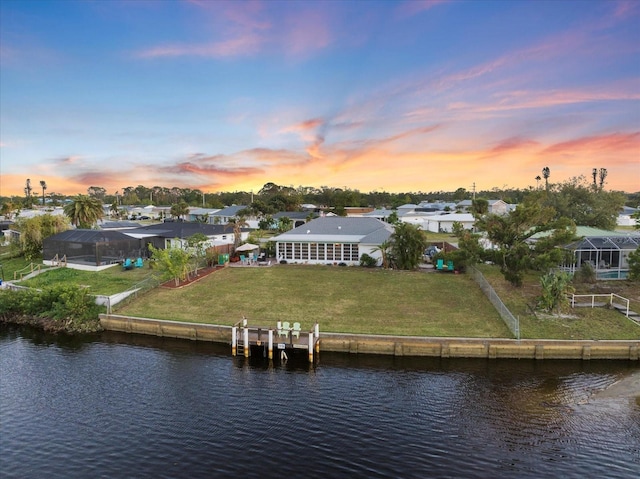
333, 240
444, 223
625, 218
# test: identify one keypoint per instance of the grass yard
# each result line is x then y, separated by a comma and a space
107, 282
578, 323
353, 300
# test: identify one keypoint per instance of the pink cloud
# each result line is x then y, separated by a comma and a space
241, 46
615, 143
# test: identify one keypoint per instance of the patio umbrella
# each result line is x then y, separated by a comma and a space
247, 247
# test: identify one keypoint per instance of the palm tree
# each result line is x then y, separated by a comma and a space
178, 210
237, 224
43, 185
115, 211
84, 211
603, 175
384, 252
538, 181
546, 172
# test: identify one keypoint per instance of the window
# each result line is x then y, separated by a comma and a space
288, 250
330, 255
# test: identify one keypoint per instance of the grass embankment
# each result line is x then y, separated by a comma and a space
106, 282
577, 323
353, 300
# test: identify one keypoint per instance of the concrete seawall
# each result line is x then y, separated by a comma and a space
492, 348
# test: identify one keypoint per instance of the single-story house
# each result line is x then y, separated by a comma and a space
444, 223
333, 240
297, 218
607, 252
497, 207
223, 216
175, 234
625, 217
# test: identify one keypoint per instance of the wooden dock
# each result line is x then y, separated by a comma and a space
246, 339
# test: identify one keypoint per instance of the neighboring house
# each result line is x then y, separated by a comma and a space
382, 214
298, 218
223, 216
333, 240
117, 225
357, 210
176, 234
497, 207
435, 207
200, 214
444, 223
625, 216
606, 251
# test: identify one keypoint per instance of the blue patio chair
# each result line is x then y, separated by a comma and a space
243, 259
127, 264
139, 263
450, 265
440, 264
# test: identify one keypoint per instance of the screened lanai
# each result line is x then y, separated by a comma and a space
90, 247
607, 255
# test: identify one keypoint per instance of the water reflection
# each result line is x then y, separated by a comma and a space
136, 406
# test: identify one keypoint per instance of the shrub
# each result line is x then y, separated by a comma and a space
367, 261
586, 274
69, 306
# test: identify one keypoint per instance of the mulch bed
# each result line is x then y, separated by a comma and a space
202, 273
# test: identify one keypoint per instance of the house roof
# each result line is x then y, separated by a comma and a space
88, 236
339, 228
228, 210
179, 229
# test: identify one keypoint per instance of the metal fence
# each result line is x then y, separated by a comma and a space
127, 296
509, 319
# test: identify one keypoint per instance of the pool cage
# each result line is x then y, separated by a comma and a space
91, 247
607, 255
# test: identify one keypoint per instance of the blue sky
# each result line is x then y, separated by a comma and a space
371, 95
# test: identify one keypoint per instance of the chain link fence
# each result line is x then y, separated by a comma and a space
509, 319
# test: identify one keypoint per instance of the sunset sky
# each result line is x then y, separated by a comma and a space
370, 95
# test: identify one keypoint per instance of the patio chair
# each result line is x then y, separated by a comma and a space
127, 264
450, 265
285, 329
440, 264
296, 330
139, 263
243, 259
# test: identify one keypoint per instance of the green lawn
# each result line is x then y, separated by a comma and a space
107, 282
353, 300
578, 323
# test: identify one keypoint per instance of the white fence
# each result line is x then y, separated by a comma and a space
611, 299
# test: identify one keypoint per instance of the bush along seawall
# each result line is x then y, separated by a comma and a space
61, 308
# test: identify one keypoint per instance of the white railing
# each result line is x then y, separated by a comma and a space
608, 301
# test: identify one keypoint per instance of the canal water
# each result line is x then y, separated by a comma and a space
125, 406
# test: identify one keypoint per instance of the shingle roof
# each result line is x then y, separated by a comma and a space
339, 228
180, 229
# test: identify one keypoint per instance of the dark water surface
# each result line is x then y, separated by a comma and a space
122, 406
